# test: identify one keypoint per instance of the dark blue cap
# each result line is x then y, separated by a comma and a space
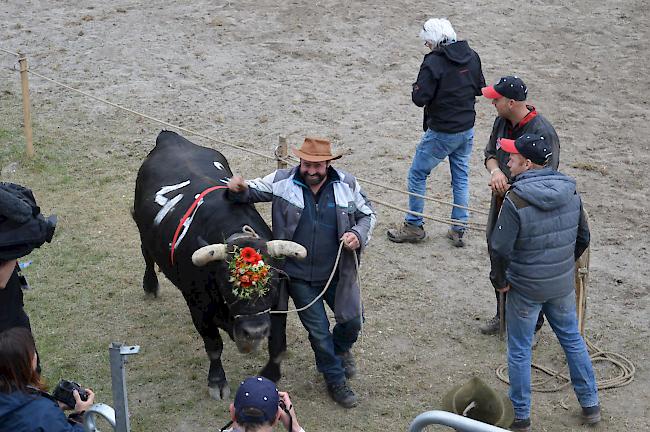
256, 401
531, 146
511, 87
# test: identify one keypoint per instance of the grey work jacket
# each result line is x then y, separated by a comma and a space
354, 214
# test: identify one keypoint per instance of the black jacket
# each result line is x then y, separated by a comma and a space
449, 80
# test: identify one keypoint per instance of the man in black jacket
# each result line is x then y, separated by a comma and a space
515, 117
540, 232
449, 80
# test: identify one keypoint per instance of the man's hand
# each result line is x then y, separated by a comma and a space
237, 184
498, 182
284, 417
80, 405
505, 289
351, 241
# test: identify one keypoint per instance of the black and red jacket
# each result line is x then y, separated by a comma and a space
449, 80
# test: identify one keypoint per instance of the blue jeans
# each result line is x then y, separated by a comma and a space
521, 316
325, 345
433, 149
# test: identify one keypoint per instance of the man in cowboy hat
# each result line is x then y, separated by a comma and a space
319, 206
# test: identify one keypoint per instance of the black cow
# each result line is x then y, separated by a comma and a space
168, 209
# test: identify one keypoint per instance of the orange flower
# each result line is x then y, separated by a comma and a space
244, 279
249, 255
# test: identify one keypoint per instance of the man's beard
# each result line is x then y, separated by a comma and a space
313, 180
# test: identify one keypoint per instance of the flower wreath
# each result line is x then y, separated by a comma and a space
249, 274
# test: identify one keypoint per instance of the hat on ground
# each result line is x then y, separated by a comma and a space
530, 146
478, 401
511, 87
256, 401
315, 150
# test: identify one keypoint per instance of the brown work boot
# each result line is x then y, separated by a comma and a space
491, 327
406, 233
456, 237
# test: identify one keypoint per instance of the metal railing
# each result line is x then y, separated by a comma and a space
455, 421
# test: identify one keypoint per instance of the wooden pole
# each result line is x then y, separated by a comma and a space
27, 117
282, 152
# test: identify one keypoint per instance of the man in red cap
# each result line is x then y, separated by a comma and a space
319, 206
514, 118
540, 232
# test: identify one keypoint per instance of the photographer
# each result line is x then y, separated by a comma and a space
24, 404
259, 406
22, 228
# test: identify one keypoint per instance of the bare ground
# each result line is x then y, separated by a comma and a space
245, 72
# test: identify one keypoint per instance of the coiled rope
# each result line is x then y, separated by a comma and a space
626, 371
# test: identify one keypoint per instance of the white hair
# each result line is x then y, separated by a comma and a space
438, 31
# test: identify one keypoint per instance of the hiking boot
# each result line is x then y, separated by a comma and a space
343, 395
591, 415
491, 327
520, 425
456, 237
406, 233
349, 365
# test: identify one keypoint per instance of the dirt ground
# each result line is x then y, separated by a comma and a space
247, 71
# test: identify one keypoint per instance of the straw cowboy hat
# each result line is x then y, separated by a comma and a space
315, 150
489, 406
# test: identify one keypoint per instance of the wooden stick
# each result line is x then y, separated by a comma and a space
27, 117
282, 152
502, 315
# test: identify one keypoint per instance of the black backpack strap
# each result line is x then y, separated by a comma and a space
516, 200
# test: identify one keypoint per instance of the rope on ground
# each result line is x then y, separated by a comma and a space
449, 221
625, 376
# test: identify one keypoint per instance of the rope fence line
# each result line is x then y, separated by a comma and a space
427, 198
463, 224
10, 52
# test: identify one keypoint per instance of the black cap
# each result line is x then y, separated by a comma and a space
531, 146
511, 87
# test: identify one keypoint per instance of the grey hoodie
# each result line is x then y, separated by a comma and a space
540, 232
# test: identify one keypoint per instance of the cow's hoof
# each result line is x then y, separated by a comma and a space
219, 393
272, 372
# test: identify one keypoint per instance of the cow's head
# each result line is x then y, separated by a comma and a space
250, 312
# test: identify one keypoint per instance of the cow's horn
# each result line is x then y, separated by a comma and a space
213, 252
280, 248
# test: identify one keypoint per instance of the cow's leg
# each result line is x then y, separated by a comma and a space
150, 280
217, 383
277, 347
203, 312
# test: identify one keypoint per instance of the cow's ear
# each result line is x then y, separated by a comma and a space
201, 241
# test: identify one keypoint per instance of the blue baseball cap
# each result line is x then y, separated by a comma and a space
256, 401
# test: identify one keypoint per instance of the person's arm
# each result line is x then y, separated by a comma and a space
6, 270
498, 180
290, 420
364, 216
250, 191
424, 89
584, 236
502, 243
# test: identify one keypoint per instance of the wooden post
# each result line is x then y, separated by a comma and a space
282, 152
27, 117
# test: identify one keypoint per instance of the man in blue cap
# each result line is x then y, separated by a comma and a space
540, 232
258, 407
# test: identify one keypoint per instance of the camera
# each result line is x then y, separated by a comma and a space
63, 392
